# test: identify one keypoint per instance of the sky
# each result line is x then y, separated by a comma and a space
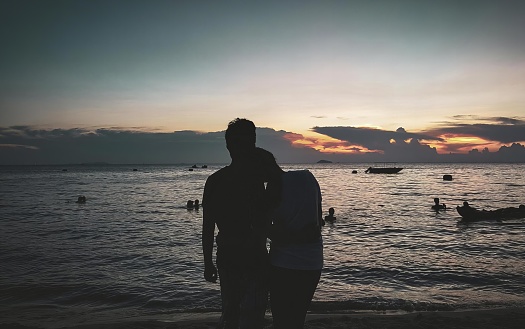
158, 81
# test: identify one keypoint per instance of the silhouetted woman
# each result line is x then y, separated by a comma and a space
296, 250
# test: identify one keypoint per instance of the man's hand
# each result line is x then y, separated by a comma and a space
210, 273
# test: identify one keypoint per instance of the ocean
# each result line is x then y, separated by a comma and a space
133, 250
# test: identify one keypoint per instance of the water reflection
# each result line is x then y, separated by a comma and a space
131, 246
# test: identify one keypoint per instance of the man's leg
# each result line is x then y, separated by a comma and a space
230, 279
254, 299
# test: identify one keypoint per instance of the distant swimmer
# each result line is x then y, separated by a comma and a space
438, 206
196, 204
190, 204
330, 218
81, 199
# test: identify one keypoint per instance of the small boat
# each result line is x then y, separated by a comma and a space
383, 170
471, 214
447, 177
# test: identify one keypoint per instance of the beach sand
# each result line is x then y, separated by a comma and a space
480, 319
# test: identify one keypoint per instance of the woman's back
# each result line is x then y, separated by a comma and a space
298, 243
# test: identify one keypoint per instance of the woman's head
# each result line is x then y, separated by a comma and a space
266, 164
268, 171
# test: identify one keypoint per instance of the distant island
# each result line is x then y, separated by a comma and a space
324, 161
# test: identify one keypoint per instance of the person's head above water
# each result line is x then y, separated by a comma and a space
436, 201
331, 211
240, 138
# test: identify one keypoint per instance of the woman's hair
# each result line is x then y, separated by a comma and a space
266, 159
271, 172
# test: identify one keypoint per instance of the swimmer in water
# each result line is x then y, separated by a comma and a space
330, 218
438, 206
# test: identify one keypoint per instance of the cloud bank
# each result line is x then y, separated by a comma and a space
499, 129
29, 145
398, 145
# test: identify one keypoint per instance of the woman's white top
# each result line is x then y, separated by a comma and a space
300, 207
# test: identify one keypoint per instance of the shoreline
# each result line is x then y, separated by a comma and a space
507, 318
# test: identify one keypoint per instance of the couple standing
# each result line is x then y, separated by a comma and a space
288, 212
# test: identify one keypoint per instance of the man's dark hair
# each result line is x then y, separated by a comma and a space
240, 137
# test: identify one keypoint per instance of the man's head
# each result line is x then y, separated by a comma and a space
240, 137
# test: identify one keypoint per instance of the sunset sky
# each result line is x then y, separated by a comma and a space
337, 77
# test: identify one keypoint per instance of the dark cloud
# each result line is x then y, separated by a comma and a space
512, 153
107, 145
403, 146
280, 144
27, 145
510, 121
509, 131
7, 146
491, 120
398, 146
371, 138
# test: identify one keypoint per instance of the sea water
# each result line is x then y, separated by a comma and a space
134, 250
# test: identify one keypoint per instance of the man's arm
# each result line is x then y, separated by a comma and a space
208, 233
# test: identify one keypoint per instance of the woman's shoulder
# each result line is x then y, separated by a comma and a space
298, 172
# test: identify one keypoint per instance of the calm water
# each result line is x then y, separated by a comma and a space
132, 250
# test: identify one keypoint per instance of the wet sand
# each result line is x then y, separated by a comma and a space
480, 319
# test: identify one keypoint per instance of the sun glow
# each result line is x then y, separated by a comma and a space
325, 144
462, 144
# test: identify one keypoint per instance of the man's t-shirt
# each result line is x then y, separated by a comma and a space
233, 198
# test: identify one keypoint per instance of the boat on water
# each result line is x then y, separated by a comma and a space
383, 170
471, 214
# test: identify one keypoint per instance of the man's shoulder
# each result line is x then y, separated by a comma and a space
219, 175
221, 172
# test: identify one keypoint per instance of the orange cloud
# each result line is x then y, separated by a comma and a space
325, 144
456, 143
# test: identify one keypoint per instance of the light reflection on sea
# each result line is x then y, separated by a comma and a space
133, 250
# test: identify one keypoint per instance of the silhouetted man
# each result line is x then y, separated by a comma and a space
233, 201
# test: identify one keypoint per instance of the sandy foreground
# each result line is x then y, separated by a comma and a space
484, 319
